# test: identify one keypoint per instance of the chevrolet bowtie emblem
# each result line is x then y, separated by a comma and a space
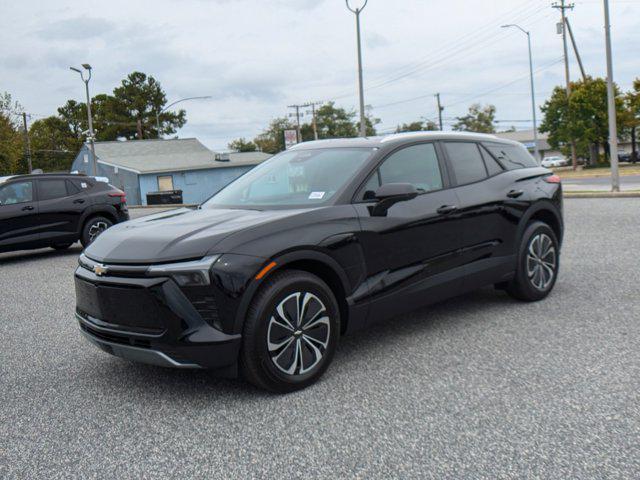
100, 270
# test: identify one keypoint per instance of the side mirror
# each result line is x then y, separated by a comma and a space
389, 194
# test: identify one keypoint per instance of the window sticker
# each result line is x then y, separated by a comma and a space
316, 195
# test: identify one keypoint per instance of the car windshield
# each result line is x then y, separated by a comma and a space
293, 178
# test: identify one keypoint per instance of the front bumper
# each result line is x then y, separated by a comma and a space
151, 320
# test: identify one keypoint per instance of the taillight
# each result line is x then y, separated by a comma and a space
552, 179
122, 195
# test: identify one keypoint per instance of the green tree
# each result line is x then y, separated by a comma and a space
242, 145
271, 140
417, 126
583, 118
12, 159
479, 119
136, 102
53, 144
632, 116
335, 122
11, 147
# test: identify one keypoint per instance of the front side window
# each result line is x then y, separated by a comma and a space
466, 162
417, 165
301, 178
51, 189
512, 157
19, 192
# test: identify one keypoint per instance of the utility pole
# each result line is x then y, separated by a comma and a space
440, 109
297, 115
357, 11
91, 136
27, 141
575, 49
611, 100
562, 7
314, 123
533, 91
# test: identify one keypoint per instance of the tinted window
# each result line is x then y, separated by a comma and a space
512, 157
19, 192
417, 165
493, 167
72, 188
466, 162
50, 189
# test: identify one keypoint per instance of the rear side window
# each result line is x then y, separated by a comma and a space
466, 162
50, 189
72, 188
493, 167
511, 157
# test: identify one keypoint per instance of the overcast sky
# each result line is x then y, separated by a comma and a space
256, 57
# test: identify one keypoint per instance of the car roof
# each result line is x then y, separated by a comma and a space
40, 175
398, 139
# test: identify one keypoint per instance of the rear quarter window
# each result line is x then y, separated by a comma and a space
512, 157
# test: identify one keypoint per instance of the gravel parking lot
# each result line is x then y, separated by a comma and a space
480, 386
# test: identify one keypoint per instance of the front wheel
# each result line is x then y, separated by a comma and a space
538, 264
291, 332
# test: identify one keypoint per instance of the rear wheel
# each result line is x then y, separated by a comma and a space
93, 228
291, 332
538, 263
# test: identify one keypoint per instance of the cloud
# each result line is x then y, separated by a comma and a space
77, 28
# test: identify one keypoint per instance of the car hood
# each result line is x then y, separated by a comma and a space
175, 235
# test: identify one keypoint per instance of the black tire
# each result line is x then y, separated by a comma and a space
539, 238
260, 362
92, 228
61, 246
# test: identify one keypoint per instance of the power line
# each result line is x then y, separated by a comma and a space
465, 45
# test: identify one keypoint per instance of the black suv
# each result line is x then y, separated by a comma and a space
55, 210
320, 240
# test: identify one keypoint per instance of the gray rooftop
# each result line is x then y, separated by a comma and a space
152, 156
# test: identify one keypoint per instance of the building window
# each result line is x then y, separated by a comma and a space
165, 183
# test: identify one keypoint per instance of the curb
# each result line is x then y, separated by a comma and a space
634, 194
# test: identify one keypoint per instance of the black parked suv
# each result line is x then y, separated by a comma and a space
321, 240
56, 210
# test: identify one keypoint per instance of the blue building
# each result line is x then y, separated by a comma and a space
141, 166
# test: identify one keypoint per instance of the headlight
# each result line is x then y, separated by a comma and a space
192, 274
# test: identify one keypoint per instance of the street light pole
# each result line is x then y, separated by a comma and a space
91, 138
536, 150
357, 11
611, 100
158, 113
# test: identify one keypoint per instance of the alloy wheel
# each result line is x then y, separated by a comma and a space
96, 229
541, 261
298, 333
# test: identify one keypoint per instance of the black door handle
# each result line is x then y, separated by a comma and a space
446, 209
28, 207
514, 193
78, 201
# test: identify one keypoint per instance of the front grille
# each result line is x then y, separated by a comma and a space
127, 307
205, 303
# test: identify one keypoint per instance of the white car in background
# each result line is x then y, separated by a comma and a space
555, 162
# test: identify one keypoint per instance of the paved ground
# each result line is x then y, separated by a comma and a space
627, 182
477, 387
